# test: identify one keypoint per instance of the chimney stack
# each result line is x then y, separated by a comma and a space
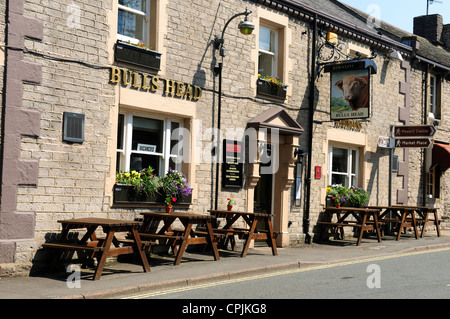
446, 36
430, 27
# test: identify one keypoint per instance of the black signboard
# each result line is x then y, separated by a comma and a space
232, 167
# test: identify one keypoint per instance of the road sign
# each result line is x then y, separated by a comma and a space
414, 131
412, 142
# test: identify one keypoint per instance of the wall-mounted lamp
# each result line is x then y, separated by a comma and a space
299, 154
396, 55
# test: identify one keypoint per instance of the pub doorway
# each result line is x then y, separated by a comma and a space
263, 200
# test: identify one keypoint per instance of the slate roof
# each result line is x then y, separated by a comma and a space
353, 16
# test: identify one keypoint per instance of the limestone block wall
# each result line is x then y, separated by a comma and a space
70, 52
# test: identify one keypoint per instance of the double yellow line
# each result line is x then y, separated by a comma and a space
281, 273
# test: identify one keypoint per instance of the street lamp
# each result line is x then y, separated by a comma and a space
246, 27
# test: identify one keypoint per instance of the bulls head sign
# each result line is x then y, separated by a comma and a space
350, 89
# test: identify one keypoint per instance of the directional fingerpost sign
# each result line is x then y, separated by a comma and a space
413, 135
412, 142
414, 131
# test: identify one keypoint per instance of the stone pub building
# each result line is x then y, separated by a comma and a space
90, 88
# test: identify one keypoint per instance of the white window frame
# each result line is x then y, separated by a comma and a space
274, 54
349, 174
165, 155
432, 95
145, 27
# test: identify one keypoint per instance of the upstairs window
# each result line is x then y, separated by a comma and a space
134, 21
434, 97
268, 51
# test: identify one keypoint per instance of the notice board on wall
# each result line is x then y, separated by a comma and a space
233, 164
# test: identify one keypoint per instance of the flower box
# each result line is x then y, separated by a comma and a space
270, 89
125, 194
129, 53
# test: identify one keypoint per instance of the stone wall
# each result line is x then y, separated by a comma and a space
76, 51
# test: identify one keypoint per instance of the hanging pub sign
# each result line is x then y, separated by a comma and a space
233, 164
350, 88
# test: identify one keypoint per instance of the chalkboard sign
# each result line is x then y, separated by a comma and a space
233, 164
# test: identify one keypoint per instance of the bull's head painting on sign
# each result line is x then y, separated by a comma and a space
350, 88
350, 94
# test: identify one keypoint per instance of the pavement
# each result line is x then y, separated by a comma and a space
126, 277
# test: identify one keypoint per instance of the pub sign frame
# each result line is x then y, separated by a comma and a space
350, 93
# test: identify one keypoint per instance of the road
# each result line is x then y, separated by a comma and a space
424, 274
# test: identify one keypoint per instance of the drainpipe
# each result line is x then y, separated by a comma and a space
424, 157
217, 153
312, 96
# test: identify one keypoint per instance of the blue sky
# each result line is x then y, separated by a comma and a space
400, 13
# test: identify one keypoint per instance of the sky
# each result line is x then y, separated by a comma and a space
401, 13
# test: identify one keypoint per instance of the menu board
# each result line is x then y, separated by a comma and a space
232, 167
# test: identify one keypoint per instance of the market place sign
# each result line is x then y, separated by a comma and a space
350, 88
152, 83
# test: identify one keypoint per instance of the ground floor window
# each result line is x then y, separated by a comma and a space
343, 166
434, 182
144, 141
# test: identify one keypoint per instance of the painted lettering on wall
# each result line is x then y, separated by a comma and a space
153, 83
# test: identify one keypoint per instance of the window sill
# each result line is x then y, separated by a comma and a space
129, 53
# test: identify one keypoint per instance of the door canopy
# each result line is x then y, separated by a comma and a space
276, 118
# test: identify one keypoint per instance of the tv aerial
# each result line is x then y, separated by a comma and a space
431, 2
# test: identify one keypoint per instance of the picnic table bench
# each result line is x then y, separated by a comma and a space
250, 233
179, 239
100, 248
364, 218
409, 216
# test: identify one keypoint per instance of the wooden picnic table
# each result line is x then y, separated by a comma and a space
409, 216
364, 218
250, 233
100, 248
180, 237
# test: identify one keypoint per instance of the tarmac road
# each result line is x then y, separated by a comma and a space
126, 278
412, 275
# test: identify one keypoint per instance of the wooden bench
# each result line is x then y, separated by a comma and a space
75, 247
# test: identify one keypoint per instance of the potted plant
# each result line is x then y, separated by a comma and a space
175, 184
168, 202
230, 204
337, 194
338, 200
137, 54
271, 86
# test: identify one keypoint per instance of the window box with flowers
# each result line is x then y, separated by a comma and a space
144, 187
347, 196
137, 54
270, 86
136, 187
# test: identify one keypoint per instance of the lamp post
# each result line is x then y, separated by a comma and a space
246, 27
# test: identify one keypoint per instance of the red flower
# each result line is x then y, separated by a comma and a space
174, 199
